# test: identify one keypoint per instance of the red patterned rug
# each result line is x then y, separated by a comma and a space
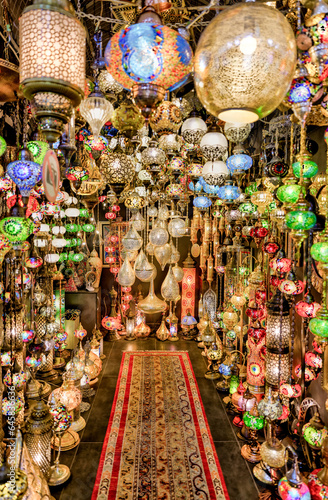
158, 444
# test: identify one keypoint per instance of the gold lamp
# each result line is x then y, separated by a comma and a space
52, 62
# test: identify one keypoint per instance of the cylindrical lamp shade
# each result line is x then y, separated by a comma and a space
272, 368
38, 436
273, 332
52, 50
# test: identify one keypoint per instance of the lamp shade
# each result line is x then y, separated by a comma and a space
193, 129
215, 172
149, 53
52, 50
96, 110
244, 73
213, 145
25, 175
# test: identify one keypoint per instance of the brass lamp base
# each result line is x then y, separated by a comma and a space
251, 452
266, 474
69, 440
113, 336
48, 375
212, 375
78, 425
223, 385
59, 474
59, 363
173, 339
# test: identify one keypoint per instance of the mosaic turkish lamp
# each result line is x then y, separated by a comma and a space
314, 432
25, 174
309, 169
128, 119
270, 248
313, 360
307, 308
247, 208
251, 188
229, 192
3, 145
149, 59
76, 173
289, 193
17, 380
301, 219
8, 406
166, 119
239, 163
62, 418
38, 150
16, 229
92, 144
253, 422
276, 168
318, 484
174, 190
202, 202
281, 264
27, 335
177, 164
300, 91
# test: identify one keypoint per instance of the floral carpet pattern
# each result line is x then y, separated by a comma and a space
158, 444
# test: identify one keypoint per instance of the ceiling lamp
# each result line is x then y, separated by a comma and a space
193, 129
116, 168
244, 74
96, 110
149, 59
239, 161
166, 119
52, 62
108, 85
213, 145
24, 173
215, 172
127, 119
237, 132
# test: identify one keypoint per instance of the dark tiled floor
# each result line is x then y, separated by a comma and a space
83, 460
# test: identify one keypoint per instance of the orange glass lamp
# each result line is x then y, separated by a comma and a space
188, 287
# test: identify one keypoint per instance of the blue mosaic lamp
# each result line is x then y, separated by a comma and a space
239, 162
24, 173
229, 192
202, 202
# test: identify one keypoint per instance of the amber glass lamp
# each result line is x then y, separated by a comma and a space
52, 66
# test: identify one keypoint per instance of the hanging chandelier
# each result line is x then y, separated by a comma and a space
52, 63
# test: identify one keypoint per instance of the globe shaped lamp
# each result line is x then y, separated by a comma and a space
262, 60
309, 168
239, 163
24, 173
149, 59
229, 192
127, 119
215, 173
166, 119
213, 145
314, 432
193, 129
237, 132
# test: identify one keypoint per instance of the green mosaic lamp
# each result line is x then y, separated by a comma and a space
289, 193
318, 326
38, 150
16, 229
310, 168
3, 145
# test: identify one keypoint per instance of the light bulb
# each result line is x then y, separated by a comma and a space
248, 45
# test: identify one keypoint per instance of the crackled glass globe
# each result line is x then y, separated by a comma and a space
310, 168
297, 219
244, 73
319, 251
289, 193
239, 162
